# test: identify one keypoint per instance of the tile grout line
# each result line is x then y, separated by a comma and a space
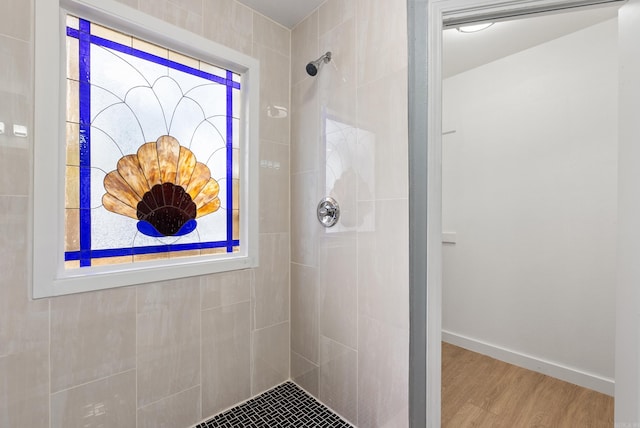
50, 393
93, 381
167, 397
200, 312
317, 237
357, 209
136, 350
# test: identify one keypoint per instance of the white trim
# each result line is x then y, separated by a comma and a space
569, 374
434, 214
49, 278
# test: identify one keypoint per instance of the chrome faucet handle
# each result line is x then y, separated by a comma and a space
328, 212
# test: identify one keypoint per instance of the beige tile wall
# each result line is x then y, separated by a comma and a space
349, 287
180, 351
166, 354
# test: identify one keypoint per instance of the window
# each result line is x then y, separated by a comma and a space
153, 172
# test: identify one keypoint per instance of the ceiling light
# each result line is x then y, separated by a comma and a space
474, 28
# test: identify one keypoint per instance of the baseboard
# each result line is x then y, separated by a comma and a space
550, 368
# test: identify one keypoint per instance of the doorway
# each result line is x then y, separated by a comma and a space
428, 46
529, 193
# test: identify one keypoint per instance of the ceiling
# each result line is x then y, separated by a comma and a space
285, 12
464, 51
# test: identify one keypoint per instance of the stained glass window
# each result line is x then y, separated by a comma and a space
152, 149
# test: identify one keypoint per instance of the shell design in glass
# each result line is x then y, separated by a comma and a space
153, 148
164, 187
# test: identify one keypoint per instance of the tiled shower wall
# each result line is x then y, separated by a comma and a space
349, 284
154, 355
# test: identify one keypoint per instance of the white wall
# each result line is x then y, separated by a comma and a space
628, 292
530, 188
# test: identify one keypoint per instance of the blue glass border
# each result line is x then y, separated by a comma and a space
152, 249
84, 105
86, 253
229, 163
109, 44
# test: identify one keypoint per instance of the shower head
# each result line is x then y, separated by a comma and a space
314, 66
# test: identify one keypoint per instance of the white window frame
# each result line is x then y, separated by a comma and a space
48, 274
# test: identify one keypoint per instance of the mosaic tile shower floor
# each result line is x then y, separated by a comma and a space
285, 406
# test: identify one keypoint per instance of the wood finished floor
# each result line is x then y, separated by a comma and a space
479, 391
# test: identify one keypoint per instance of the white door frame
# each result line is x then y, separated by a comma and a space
439, 12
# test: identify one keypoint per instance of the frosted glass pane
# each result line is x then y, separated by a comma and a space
113, 73
121, 124
101, 99
169, 94
220, 125
186, 119
109, 231
206, 140
236, 164
186, 81
218, 164
151, 71
236, 103
188, 239
236, 134
148, 112
97, 189
211, 97
214, 225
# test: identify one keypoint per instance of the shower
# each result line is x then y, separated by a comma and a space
314, 66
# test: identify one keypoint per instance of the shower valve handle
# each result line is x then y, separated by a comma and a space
328, 212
